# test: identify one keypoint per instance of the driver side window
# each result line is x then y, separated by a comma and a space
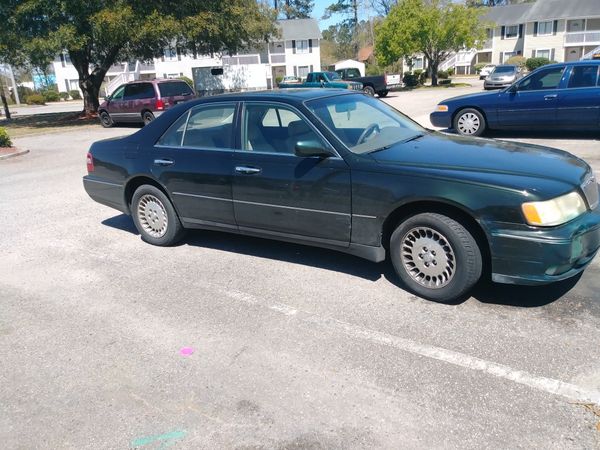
544, 79
118, 94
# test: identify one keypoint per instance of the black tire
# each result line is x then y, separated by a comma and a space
453, 259
105, 119
147, 117
149, 209
383, 93
469, 122
369, 90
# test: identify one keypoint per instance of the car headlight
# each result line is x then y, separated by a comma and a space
557, 211
441, 108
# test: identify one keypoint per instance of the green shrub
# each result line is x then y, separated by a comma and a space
64, 95
450, 71
445, 81
35, 99
442, 75
75, 94
423, 77
4, 138
278, 80
534, 63
51, 96
517, 60
24, 92
410, 80
187, 80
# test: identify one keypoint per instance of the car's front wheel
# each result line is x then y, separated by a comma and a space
436, 256
383, 93
154, 216
106, 120
469, 122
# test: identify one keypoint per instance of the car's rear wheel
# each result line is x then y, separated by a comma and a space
105, 119
435, 256
147, 117
369, 90
469, 122
154, 216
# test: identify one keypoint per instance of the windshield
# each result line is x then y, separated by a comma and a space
364, 124
504, 69
333, 76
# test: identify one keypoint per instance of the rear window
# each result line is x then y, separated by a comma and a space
174, 88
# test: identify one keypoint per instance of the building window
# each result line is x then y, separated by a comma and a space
542, 53
508, 55
545, 28
303, 71
170, 54
511, 32
302, 46
417, 63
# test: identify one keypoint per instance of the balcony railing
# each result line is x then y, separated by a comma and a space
582, 38
147, 66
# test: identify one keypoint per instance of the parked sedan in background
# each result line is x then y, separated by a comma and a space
345, 171
563, 96
486, 70
142, 101
502, 76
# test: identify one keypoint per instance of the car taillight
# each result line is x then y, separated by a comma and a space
160, 105
90, 163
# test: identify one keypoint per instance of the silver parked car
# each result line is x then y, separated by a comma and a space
502, 76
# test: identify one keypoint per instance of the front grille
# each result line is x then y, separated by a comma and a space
590, 189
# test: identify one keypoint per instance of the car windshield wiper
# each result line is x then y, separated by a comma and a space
412, 138
385, 147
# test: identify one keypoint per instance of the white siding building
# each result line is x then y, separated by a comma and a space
295, 52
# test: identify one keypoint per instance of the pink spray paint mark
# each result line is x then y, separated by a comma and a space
186, 351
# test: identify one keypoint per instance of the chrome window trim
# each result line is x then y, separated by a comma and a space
103, 182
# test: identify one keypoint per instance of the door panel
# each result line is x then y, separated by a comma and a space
579, 103
535, 102
275, 190
194, 161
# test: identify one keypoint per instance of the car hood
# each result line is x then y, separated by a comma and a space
486, 156
479, 96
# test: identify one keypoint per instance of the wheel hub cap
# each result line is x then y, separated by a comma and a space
468, 123
428, 257
152, 216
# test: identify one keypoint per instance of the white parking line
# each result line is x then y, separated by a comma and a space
549, 385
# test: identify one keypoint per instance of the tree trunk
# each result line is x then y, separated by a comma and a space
4, 102
434, 71
90, 83
90, 87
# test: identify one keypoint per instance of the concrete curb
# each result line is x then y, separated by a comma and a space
12, 155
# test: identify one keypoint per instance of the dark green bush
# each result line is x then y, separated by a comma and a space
517, 60
4, 138
442, 75
51, 96
410, 80
35, 99
278, 80
534, 63
445, 81
64, 95
75, 94
423, 77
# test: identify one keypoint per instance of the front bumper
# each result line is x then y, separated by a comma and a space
441, 119
496, 84
541, 256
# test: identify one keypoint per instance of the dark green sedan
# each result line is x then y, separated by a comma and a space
345, 171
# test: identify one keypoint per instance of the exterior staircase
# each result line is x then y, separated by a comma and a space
589, 55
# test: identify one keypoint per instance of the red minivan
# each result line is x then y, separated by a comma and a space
142, 101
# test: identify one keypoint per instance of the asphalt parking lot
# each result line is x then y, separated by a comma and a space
237, 342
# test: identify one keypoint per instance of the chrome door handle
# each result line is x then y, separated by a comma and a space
247, 170
550, 97
163, 162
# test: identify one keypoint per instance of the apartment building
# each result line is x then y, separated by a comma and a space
296, 51
560, 30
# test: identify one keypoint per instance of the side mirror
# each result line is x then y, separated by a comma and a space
306, 149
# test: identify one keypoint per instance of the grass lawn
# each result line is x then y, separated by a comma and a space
46, 123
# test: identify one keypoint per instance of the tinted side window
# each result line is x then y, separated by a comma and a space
210, 127
118, 94
174, 135
146, 90
174, 88
275, 129
544, 79
583, 76
131, 91
352, 73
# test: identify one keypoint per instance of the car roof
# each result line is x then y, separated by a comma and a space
298, 95
156, 80
583, 62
